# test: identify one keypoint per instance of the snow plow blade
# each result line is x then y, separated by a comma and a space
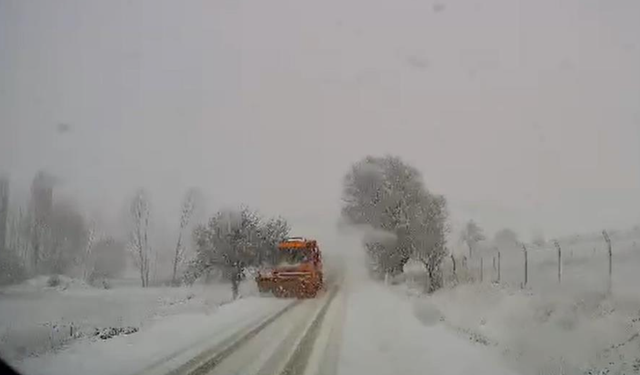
289, 287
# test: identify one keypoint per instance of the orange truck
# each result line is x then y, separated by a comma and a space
297, 271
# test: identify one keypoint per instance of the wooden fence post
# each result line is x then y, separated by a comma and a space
493, 268
559, 260
526, 266
455, 276
498, 265
610, 281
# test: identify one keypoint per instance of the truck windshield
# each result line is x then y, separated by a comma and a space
293, 256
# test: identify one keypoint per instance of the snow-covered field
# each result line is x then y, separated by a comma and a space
572, 327
554, 333
382, 335
166, 342
35, 318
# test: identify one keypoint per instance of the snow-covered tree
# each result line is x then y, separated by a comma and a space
389, 196
471, 235
431, 248
232, 241
270, 233
139, 235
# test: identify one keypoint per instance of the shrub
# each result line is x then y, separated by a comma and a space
53, 281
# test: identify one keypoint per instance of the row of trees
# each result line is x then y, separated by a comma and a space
140, 245
406, 220
52, 237
472, 236
228, 243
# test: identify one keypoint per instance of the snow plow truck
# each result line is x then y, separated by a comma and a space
297, 270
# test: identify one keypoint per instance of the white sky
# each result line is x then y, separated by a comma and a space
524, 114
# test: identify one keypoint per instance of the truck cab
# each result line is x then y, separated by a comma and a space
297, 270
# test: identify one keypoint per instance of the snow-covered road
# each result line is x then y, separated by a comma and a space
367, 328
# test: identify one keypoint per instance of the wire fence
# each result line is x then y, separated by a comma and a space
607, 265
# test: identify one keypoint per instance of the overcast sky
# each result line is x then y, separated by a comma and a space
524, 114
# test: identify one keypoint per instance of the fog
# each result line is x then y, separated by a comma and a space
523, 114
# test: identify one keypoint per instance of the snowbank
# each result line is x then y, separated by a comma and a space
164, 341
382, 336
36, 318
45, 283
559, 332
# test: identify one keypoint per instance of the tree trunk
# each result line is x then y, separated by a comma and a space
176, 259
235, 281
455, 275
142, 278
147, 271
235, 285
434, 277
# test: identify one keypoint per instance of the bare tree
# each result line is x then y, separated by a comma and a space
87, 258
471, 235
139, 236
188, 206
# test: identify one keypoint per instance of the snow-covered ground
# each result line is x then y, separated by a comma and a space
36, 319
479, 328
383, 335
559, 332
179, 337
570, 327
